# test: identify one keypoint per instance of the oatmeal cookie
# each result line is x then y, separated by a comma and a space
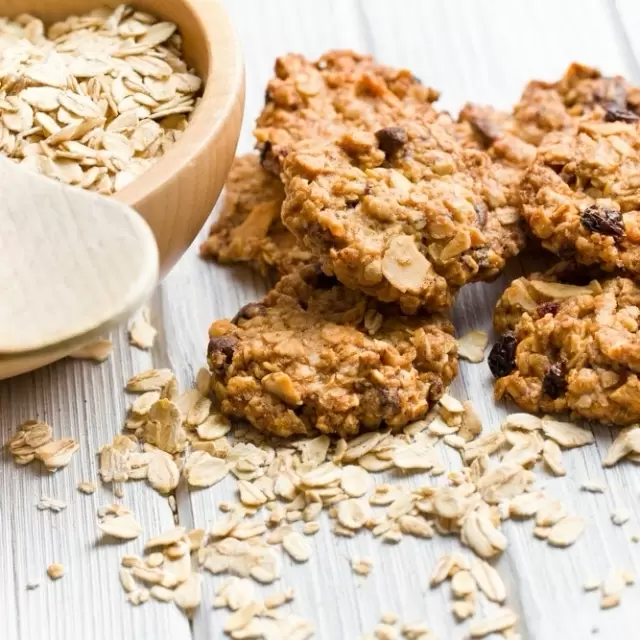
540, 293
308, 99
581, 196
486, 128
249, 228
314, 355
403, 214
553, 106
577, 352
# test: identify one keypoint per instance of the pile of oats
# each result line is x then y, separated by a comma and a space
95, 99
283, 486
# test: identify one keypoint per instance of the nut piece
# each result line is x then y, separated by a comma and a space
404, 266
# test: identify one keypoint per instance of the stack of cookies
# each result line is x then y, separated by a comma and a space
374, 209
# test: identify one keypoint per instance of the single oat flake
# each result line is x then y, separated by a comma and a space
471, 346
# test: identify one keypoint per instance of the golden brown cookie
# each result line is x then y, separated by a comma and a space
581, 196
313, 355
577, 351
403, 214
553, 106
249, 228
308, 99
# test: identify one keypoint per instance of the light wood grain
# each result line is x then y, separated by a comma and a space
471, 50
73, 264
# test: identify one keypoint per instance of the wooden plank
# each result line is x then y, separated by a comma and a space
84, 401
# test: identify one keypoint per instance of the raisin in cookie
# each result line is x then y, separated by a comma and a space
581, 196
577, 352
314, 355
308, 99
249, 228
403, 214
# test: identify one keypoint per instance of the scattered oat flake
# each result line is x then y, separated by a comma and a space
451, 404
123, 527
524, 421
471, 346
566, 434
463, 609
57, 453
150, 380
297, 546
612, 588
355, 481
86, 487
500, 620
552, 457
627, 442
362, 566
141, 333
591, 584
593, 486
620, 515
51, 504
99, 351
188, 594
201, 469
488, 581
163, 473
55, 571
565, 532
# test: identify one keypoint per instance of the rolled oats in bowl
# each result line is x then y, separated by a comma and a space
96, 99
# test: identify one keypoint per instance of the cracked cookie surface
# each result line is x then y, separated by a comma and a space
581, 196
315, 356
249, 228
308, 99
404, 214
570, 348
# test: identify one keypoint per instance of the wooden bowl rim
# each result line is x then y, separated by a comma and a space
223, 84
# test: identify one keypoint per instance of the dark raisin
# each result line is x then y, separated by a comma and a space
352, 203
616, 113
391, 139
268, 160
389, 402
320, 280
547, 307
267, 97
265, 150
249, 311
553, 383
221, 350
502, 359
608, 222
481, 214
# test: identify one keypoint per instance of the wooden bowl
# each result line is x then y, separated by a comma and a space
176, 195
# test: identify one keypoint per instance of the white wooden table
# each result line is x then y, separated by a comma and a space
482, 51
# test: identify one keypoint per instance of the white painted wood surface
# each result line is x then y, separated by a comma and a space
482, 51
